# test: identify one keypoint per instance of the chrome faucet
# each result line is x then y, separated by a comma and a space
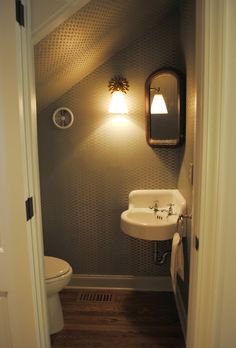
155, 206
171, 210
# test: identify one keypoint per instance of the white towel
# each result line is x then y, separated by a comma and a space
177, 259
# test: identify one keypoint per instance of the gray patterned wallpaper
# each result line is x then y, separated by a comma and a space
90, 37
88, 170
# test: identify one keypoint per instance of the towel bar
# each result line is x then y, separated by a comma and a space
180, 225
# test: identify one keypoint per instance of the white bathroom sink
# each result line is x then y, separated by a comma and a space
152, 214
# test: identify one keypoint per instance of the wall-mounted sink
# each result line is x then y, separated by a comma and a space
152, 214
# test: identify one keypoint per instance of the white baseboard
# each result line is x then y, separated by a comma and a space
121, 282
181, 311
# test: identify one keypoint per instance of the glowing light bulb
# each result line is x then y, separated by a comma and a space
118, 103
158, 105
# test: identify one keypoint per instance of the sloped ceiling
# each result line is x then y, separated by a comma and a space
47, 15
89, 38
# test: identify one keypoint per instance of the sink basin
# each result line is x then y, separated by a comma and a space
142, 221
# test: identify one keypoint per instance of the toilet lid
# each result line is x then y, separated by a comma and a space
55, 267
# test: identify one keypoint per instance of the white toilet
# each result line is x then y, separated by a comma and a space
57, 275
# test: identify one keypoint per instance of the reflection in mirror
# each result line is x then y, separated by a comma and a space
165, 108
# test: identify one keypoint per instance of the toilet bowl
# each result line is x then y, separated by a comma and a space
57, 275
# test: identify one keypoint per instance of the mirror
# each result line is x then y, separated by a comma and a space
165, 108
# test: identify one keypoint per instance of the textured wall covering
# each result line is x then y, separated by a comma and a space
184, 180
88, 38
88, 170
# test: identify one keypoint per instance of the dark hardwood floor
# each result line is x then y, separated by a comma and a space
118, 319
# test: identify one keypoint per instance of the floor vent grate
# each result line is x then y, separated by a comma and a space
95, 297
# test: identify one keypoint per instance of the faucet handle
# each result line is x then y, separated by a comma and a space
155, 205
171, 212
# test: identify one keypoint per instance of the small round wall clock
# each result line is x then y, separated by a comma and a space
63, 118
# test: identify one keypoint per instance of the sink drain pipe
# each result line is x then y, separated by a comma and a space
160, 259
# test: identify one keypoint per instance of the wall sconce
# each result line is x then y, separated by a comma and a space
118, 86
158, 105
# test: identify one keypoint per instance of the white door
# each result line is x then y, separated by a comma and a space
212, 307
23, 322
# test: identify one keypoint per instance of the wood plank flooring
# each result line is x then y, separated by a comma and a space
118, 319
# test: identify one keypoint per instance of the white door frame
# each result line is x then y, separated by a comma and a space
23, 311
214, 186
37, 260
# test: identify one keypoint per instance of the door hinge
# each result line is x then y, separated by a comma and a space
196, 242
29, 208
191, 173
20, 16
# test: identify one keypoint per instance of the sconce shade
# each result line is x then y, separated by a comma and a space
118, 86
118, 103
158, 105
